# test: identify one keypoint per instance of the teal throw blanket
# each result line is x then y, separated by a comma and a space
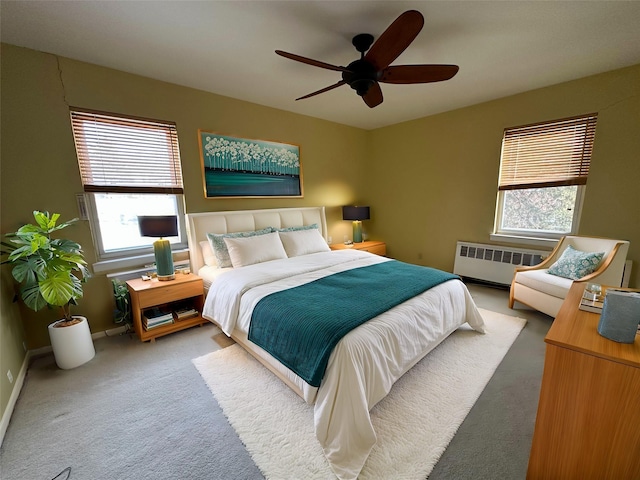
301, 326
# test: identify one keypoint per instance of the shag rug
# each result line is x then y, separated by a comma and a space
414, 423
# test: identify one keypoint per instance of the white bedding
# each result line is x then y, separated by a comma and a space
365, 363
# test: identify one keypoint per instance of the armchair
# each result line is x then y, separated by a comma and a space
545, 292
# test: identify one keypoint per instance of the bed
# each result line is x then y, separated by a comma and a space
364, 364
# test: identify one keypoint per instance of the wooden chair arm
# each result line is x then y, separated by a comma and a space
603, 266
547, 262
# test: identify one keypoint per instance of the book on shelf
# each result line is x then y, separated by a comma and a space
151, 326
155, 316
184, 313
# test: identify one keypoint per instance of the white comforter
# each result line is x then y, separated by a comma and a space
366, 362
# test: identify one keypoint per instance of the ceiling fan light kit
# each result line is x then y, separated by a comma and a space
373, 67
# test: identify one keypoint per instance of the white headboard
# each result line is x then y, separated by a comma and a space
199, 224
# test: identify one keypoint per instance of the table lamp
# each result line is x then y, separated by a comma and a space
356, 214
161, 226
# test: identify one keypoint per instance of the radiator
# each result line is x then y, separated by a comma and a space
493, 263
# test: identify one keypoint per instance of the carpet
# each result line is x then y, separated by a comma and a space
414, 423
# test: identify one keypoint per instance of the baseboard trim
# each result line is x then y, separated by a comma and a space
15, 393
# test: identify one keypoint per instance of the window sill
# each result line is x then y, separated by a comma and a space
137, 262
548, 243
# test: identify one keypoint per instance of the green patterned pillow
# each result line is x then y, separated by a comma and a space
216, 240
295, 229
575, 264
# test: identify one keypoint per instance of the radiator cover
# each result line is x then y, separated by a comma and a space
493, 263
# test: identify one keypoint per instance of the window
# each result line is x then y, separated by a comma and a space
129, 167
543, 173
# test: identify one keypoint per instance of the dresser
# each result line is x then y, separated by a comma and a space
588, 421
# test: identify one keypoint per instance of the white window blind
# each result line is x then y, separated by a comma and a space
120, 154
549, 154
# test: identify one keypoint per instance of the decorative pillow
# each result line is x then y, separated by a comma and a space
216, 240
245, 251
295, 229
207, 254
303, 242
575, 264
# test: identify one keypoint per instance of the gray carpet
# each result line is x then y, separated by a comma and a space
141, 411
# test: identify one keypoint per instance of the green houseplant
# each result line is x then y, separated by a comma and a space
51, 272
122, 313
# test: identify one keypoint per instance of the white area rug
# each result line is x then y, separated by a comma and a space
414, 423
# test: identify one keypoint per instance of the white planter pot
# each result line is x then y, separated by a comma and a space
72, 346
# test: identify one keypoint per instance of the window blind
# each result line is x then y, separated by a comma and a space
549, 154
119, 154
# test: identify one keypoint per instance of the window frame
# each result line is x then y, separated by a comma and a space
96, 232
171, 183
540, 234
577, 165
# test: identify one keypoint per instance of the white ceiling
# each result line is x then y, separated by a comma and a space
227, 47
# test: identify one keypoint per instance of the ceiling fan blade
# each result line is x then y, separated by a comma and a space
373, 97
326, 89
418, 73
310, 61
395, 39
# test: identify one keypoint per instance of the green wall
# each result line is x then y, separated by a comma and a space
430, 182
433, 181
40, 170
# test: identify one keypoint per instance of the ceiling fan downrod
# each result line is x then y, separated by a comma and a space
362, 75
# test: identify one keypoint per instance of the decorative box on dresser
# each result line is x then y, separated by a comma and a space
186, 289
588, 421
372, 246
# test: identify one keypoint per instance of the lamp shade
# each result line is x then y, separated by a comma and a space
158, 226
355, 213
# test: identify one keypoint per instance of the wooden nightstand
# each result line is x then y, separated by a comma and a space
185, 290
379, 248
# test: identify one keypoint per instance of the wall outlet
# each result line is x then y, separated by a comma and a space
9, 376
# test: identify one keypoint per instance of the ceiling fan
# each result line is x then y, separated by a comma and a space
373, 67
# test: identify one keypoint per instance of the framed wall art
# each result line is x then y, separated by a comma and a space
240, 167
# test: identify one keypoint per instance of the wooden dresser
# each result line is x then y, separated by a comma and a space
588, 421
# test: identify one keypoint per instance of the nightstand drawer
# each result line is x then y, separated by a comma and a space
379, 249
170, 293
371, 246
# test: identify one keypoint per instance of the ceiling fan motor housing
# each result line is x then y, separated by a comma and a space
361, 76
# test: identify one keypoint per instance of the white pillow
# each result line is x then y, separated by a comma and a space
219, 248
303, 242
207, 253
245, 251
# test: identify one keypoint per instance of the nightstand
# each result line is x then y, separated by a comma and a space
186, 291
379, 248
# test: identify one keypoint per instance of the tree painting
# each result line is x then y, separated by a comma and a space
237, 167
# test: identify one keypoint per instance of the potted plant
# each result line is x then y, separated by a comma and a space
51, 273
122, 313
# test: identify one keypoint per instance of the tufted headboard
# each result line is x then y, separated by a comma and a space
199, 224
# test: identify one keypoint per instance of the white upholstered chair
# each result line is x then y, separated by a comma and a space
545, 292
